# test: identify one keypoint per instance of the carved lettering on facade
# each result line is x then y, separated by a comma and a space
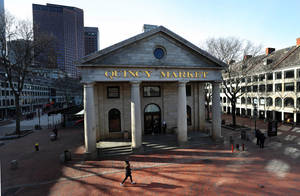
115, 74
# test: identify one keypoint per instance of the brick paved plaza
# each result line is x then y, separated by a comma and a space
204, 169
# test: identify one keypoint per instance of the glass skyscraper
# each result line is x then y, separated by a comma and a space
65, 24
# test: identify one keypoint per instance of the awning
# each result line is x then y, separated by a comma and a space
80, 113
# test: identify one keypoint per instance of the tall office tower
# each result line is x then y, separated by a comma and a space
65, 24
91, 40
1, 6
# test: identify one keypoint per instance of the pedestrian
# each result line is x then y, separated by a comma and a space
262, 140
257, 134
164, 127
127, 173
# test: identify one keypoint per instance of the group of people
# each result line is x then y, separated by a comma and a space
260, 138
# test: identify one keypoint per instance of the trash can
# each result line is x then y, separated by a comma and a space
243, 134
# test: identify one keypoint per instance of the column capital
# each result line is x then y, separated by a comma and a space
88, 84
135, 83
182, 83
216, 82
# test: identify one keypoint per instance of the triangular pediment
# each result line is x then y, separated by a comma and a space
139, 51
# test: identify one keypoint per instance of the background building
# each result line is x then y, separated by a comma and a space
1, 5
65, 24
91, 40
272, 84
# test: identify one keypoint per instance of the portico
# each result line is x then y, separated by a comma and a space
132, 86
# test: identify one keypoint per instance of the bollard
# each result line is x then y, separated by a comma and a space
232, 148
243, 146
237, 146
36, 147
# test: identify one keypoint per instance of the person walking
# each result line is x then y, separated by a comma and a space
164, 127
262, 140
127, 173
257, 135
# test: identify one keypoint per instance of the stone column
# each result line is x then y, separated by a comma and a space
181, 113
136, 126
216, 111
89, 119
202, 107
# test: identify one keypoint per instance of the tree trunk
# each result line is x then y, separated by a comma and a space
18, 114
233, 113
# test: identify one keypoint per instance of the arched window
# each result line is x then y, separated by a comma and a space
278, 102
298, 102
243, 100
269, 101
289, 102
248, 100
114, 120
224, 99
189, 115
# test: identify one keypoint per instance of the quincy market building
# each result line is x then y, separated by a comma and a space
138, 83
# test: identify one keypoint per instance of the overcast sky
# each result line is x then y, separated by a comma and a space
272, 23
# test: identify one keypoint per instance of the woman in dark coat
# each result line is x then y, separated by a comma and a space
127, 173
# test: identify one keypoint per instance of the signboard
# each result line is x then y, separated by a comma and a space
272, 128
149, 74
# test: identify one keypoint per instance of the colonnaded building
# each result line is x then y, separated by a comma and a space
271, 82
152, 77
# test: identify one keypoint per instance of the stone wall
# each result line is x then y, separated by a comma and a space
167, 103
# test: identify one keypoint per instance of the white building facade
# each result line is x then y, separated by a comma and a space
272, 84
153, 77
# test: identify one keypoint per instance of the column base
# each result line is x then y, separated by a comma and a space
90, 156
182, 144
218, 139
137, 149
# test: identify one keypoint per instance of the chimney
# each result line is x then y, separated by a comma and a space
269, 50
148, 27
298, 41
246, 57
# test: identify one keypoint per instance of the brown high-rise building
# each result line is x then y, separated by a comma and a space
65, 24
91, 40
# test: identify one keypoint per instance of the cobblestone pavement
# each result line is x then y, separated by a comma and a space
45, 121
210, 169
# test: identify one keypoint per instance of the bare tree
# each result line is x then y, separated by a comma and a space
17, 53
229, 50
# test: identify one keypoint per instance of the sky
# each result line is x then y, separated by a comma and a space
271, 23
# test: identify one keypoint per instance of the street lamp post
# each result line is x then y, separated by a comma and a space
254, 114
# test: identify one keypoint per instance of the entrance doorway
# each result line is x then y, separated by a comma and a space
152, 119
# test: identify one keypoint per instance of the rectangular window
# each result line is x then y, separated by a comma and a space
289, 74
262, 88
288, 86
254, 87
261, 101
248, 79
113, 92
243, 80
269, 76
261, 77
298, 73
243, 89
278, 75
298, 86
278, 87
249, 89
188, 90
151, 91
255, 78
269, 87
